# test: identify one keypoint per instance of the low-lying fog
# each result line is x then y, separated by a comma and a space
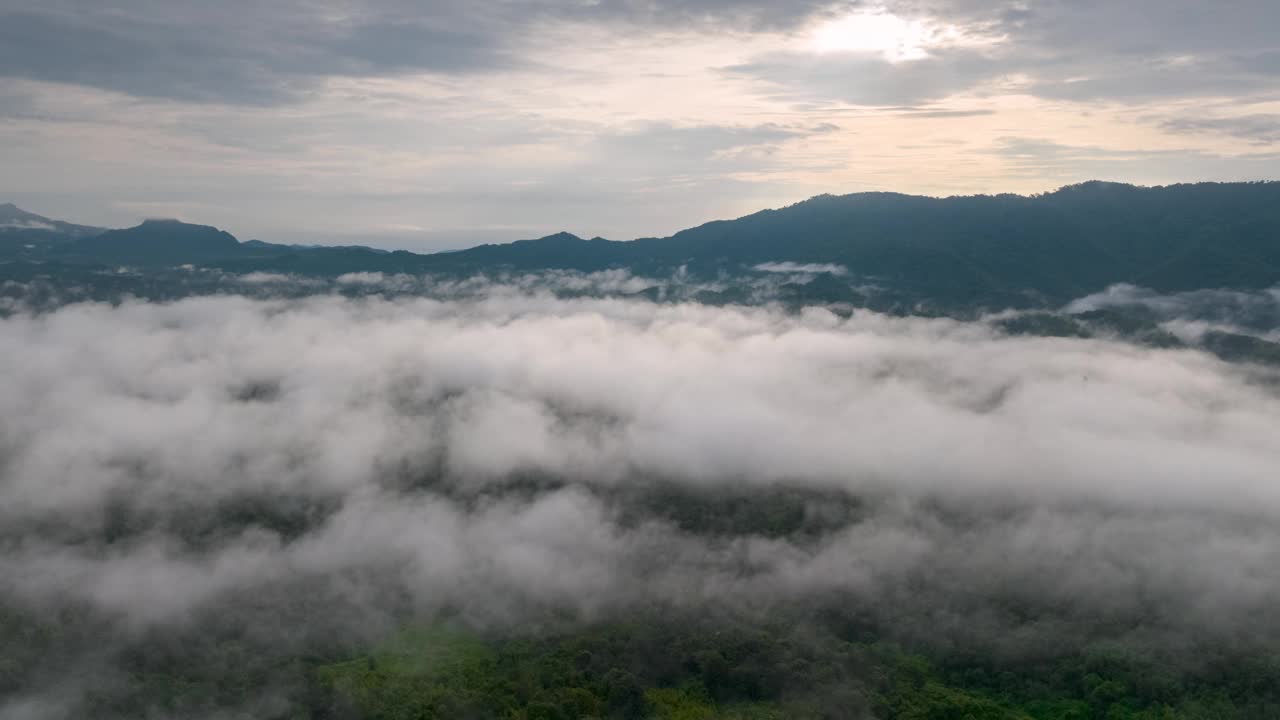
278, 461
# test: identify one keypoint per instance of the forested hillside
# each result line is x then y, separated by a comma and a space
955, 254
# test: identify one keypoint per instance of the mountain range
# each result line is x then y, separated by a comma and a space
18, 226
954, 254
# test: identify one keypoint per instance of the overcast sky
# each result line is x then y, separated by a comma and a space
440, 124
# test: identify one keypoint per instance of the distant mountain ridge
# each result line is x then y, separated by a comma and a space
164, 241
990, 251
999, 250
16, 223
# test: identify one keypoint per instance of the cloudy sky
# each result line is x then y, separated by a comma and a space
443, 123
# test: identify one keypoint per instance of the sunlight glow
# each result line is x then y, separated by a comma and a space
898, 39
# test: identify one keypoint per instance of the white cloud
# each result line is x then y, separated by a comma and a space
803, 268
361, 278
26, 225
493, 453
263, 278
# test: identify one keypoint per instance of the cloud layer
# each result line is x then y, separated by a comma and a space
155, 408
280, 466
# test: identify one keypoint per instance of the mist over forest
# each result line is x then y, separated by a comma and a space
506, 502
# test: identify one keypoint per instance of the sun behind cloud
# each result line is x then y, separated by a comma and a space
896, 38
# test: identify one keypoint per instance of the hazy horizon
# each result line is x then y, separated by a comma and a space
464, 238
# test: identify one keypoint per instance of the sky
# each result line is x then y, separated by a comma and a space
433, 125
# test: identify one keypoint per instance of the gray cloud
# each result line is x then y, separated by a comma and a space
1144, 78
1260, 129
746, 14
925, 113
1042, 158
633, 159
869, 79
1131, 51
256, 54
129, 56
247, 53
702, 142
1128, 52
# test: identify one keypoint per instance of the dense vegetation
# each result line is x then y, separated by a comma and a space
654, 669
674, 667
